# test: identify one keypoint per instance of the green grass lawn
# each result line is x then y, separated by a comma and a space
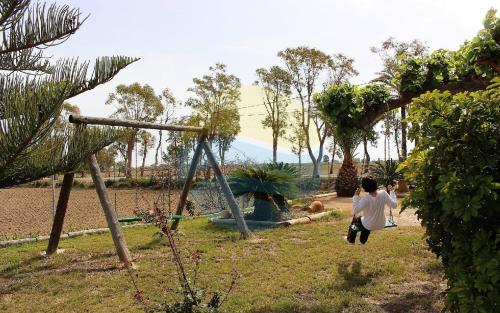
304, 268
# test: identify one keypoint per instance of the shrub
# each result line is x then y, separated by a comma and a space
456, 167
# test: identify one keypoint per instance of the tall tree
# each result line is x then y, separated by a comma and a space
275, 83
169, 103
215, 100
33, 90
340, 70
305, 66
343, 105
394, 54
297, 137
146, 141
135, 102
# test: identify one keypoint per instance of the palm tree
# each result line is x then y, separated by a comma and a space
269, 185
33, 90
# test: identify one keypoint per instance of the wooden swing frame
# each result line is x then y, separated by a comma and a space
111, 216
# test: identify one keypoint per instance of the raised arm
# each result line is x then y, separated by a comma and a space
391, 199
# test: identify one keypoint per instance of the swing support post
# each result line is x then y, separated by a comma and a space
60, 213
226, 190
111, 217
188, 182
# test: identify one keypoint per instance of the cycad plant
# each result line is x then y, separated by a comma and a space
269, 186
386, 171
292, 171
33, 90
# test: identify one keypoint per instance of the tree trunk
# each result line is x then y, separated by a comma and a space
396, 141
158, 148
404, 151
62, 205
111, 217
130, 149
366, 163
333, 156
347, 179
144, 159
275, 147
300, 161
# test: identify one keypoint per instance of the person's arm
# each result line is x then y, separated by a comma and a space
358, 204
391, 199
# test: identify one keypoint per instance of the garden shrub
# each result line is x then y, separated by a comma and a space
456, 172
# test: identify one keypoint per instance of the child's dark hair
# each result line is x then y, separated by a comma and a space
389, 182
369, 184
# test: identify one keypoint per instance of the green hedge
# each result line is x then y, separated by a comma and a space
456, 168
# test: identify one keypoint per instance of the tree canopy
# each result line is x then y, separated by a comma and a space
33, 90
469, 68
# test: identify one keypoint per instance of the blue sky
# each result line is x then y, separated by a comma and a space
179, 40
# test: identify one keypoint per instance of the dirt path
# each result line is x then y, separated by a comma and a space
406, 218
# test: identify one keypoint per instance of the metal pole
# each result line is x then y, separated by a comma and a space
188, 182
235, 210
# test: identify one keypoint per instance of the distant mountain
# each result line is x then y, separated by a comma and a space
242, 149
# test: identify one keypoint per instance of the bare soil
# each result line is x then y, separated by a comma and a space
27, 212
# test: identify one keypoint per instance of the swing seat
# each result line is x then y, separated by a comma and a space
176, 217
354, 228
389, 223
129, 219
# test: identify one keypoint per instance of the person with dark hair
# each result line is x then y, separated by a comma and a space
372, 206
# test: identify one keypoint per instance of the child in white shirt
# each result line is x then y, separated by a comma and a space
372, 206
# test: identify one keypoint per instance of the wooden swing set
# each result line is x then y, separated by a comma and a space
110, 213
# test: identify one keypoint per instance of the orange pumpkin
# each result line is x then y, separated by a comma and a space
316, 206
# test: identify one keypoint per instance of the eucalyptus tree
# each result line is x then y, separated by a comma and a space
135, 102
394, 54
215, 100
146, 141
33, 89
275, 83
305, 66
297, 137
169, 104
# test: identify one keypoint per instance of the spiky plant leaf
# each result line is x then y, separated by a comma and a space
30, 105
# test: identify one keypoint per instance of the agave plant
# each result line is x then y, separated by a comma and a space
269, 186
385, 171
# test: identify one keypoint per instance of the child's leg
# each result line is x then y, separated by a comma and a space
364, 236
351, 234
